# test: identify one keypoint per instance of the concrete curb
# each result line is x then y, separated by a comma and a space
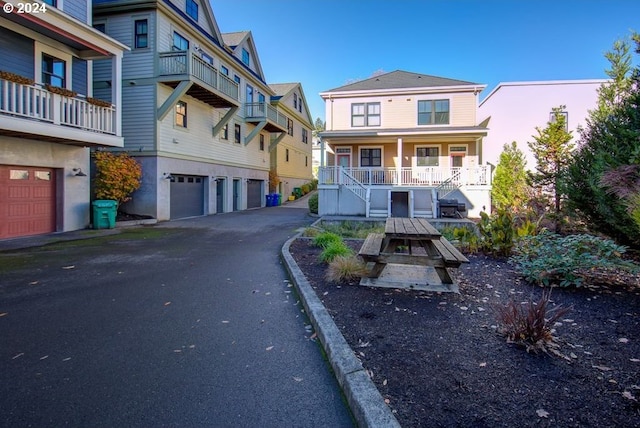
366, 402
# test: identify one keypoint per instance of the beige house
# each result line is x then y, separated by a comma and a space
291, 153
403, 142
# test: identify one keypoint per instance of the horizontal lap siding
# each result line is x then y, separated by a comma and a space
79, 78
137, 63
17, 53
139, 117
77, 9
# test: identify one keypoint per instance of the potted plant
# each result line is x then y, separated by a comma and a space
60, 91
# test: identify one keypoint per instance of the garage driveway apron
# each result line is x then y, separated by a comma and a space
197, 327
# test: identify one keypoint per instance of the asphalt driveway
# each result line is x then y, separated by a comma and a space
186, 323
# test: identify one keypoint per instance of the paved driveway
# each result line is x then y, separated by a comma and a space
187, 323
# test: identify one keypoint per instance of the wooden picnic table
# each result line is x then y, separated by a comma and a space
411, 235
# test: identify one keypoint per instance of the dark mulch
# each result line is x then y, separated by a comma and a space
439, 360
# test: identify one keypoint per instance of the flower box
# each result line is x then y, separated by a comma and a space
98, 102
16, 78
60, 91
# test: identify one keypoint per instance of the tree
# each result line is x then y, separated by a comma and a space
609, 141
318, 127
510, 179
117, 176
552, 149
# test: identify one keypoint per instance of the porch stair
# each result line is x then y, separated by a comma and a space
448, 186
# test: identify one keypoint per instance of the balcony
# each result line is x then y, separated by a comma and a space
208, 85
410, 177
56, 115
265, 112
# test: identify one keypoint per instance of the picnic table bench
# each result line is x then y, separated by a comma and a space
410, 235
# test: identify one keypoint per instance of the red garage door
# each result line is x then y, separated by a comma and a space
27, 201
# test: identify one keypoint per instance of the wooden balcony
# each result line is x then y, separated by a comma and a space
33, 111
274, 120
208, 84
407, 177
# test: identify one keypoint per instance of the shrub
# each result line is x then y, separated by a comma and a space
346, 268
305, 189
530, 324
497, 232
548, 258
333, 250
311, 232
313, 203
117, 176
324, 239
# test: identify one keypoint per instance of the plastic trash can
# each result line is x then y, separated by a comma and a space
297, 191
277, 200
104, 214
269, 200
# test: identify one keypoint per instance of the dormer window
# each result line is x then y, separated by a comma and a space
246, 59
192, 9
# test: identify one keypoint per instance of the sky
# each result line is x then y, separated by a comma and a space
325, 44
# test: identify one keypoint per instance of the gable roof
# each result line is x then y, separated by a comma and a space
401, 79
284, 90
235, 39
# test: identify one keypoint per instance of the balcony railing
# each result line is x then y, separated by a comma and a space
175, 63
419, 176
264, 110
37, 103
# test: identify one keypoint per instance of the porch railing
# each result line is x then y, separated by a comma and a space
175, 63
36, 103
421, 176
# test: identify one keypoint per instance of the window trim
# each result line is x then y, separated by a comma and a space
366, 115
261, 146
178, 113
237, 133
433, 112
173, 44
305, 136
39, 49
427, 146
187, 9
136, 35
362, 148
246, 57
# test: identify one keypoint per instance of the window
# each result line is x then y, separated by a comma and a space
245, 57
207, 58
262, 142
370, 157
286, 155
181, 114
249, 98
295, 101
224, 70
261, 98
305, 136
100, 26
53, 3
237, 133
54, 71
300, 105
306, 161
427, 156
179, 42
433, 112
290, 127
142, 34
365, 114
192, 9
236, 78
225, 132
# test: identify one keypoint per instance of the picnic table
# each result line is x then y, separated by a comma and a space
414, 244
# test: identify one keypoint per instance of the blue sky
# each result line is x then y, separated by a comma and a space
325, 44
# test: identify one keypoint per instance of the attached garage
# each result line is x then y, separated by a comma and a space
27, 201
254, 193
187, 196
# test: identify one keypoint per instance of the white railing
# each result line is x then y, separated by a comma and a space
353, 184
264, 110
175, 63
420, 176
37, 103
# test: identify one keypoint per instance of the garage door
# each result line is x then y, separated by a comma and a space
27, 201
254, 193
187, 196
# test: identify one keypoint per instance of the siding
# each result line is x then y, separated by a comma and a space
139, 117
17, 53
77, 9
137, 63
79, 76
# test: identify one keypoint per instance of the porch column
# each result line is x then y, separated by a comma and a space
399, 163
322, 163
116, 90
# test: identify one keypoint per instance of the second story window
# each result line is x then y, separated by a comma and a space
225, 132
54, 71
290, 127
53, 3
142, 34
286, 155
181, 114
179, 42
365, 114
237, 135
305, 136
433, 112
246, 59
261, 143
224, 70
192, 9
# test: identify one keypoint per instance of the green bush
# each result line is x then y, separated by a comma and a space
324, 239
305, 189
548, 258
497, 232
335, 249
313, 203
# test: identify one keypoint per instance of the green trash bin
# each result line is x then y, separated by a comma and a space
104, 214
297, 192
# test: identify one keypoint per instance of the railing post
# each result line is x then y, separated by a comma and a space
56, 101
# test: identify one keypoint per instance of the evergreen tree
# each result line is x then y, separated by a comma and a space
509, 185
552, 149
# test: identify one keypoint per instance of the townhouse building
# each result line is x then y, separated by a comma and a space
199, 115
50, 116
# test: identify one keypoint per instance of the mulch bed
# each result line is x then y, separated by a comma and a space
439, 360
